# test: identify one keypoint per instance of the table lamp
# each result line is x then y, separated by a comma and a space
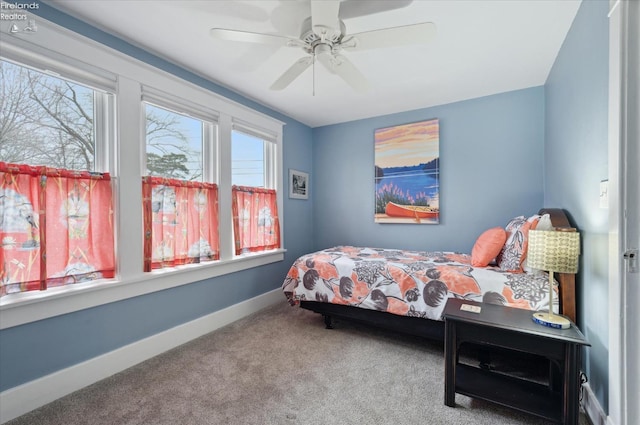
553, 251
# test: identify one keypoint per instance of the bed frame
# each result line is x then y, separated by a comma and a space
434, 329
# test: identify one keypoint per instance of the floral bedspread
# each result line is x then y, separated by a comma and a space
408, 283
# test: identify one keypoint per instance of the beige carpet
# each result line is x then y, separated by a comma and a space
280, 366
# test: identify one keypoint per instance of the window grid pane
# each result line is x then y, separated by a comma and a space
47, 120
247, 160
174, 144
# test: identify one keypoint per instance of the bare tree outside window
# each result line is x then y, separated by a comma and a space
174, 144
46, 120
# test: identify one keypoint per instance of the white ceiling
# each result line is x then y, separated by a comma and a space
481, 48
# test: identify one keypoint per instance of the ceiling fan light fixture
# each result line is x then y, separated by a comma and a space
323, 36
322, 49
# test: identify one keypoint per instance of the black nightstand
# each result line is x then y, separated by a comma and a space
513, 329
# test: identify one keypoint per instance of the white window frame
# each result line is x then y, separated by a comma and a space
124, 160
270, 150
103, 84
209, 119
272, 173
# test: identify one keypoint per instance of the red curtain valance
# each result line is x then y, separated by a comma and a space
56, 227
180, 222
256, 226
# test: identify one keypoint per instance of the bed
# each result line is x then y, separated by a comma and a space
406, 291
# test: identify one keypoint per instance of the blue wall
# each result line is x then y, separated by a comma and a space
501, 156
36, 349
490, 171
576, 159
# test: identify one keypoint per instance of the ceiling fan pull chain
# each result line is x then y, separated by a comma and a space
313, 75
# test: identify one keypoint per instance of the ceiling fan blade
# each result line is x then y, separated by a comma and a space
391, 37
340, 65
324, 17
253, 37
356, 8
292, 73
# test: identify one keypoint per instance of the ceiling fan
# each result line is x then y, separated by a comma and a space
323, 37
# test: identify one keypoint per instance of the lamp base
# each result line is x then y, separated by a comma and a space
551, 320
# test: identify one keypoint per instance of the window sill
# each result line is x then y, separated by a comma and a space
21, 308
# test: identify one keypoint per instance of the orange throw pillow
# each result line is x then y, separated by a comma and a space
488, 246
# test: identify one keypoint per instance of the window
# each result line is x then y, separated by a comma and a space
247, 160
174, 144
46, 120
53, 132
114, 93
256, 225
180, 205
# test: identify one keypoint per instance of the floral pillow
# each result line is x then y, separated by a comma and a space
514, 251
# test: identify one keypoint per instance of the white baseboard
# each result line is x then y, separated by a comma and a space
592, 407
31, 395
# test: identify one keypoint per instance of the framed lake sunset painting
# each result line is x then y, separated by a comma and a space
407, 173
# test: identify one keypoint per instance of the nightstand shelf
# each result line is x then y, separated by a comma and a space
490, 386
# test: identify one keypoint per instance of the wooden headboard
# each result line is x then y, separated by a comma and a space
567, 281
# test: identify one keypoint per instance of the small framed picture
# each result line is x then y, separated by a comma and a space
298, 184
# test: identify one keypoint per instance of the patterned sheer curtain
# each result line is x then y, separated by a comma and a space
255, 219
56, 227
180, 222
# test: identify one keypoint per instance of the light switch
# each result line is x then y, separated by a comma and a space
604, 194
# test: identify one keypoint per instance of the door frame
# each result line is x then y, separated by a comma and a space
623, 138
